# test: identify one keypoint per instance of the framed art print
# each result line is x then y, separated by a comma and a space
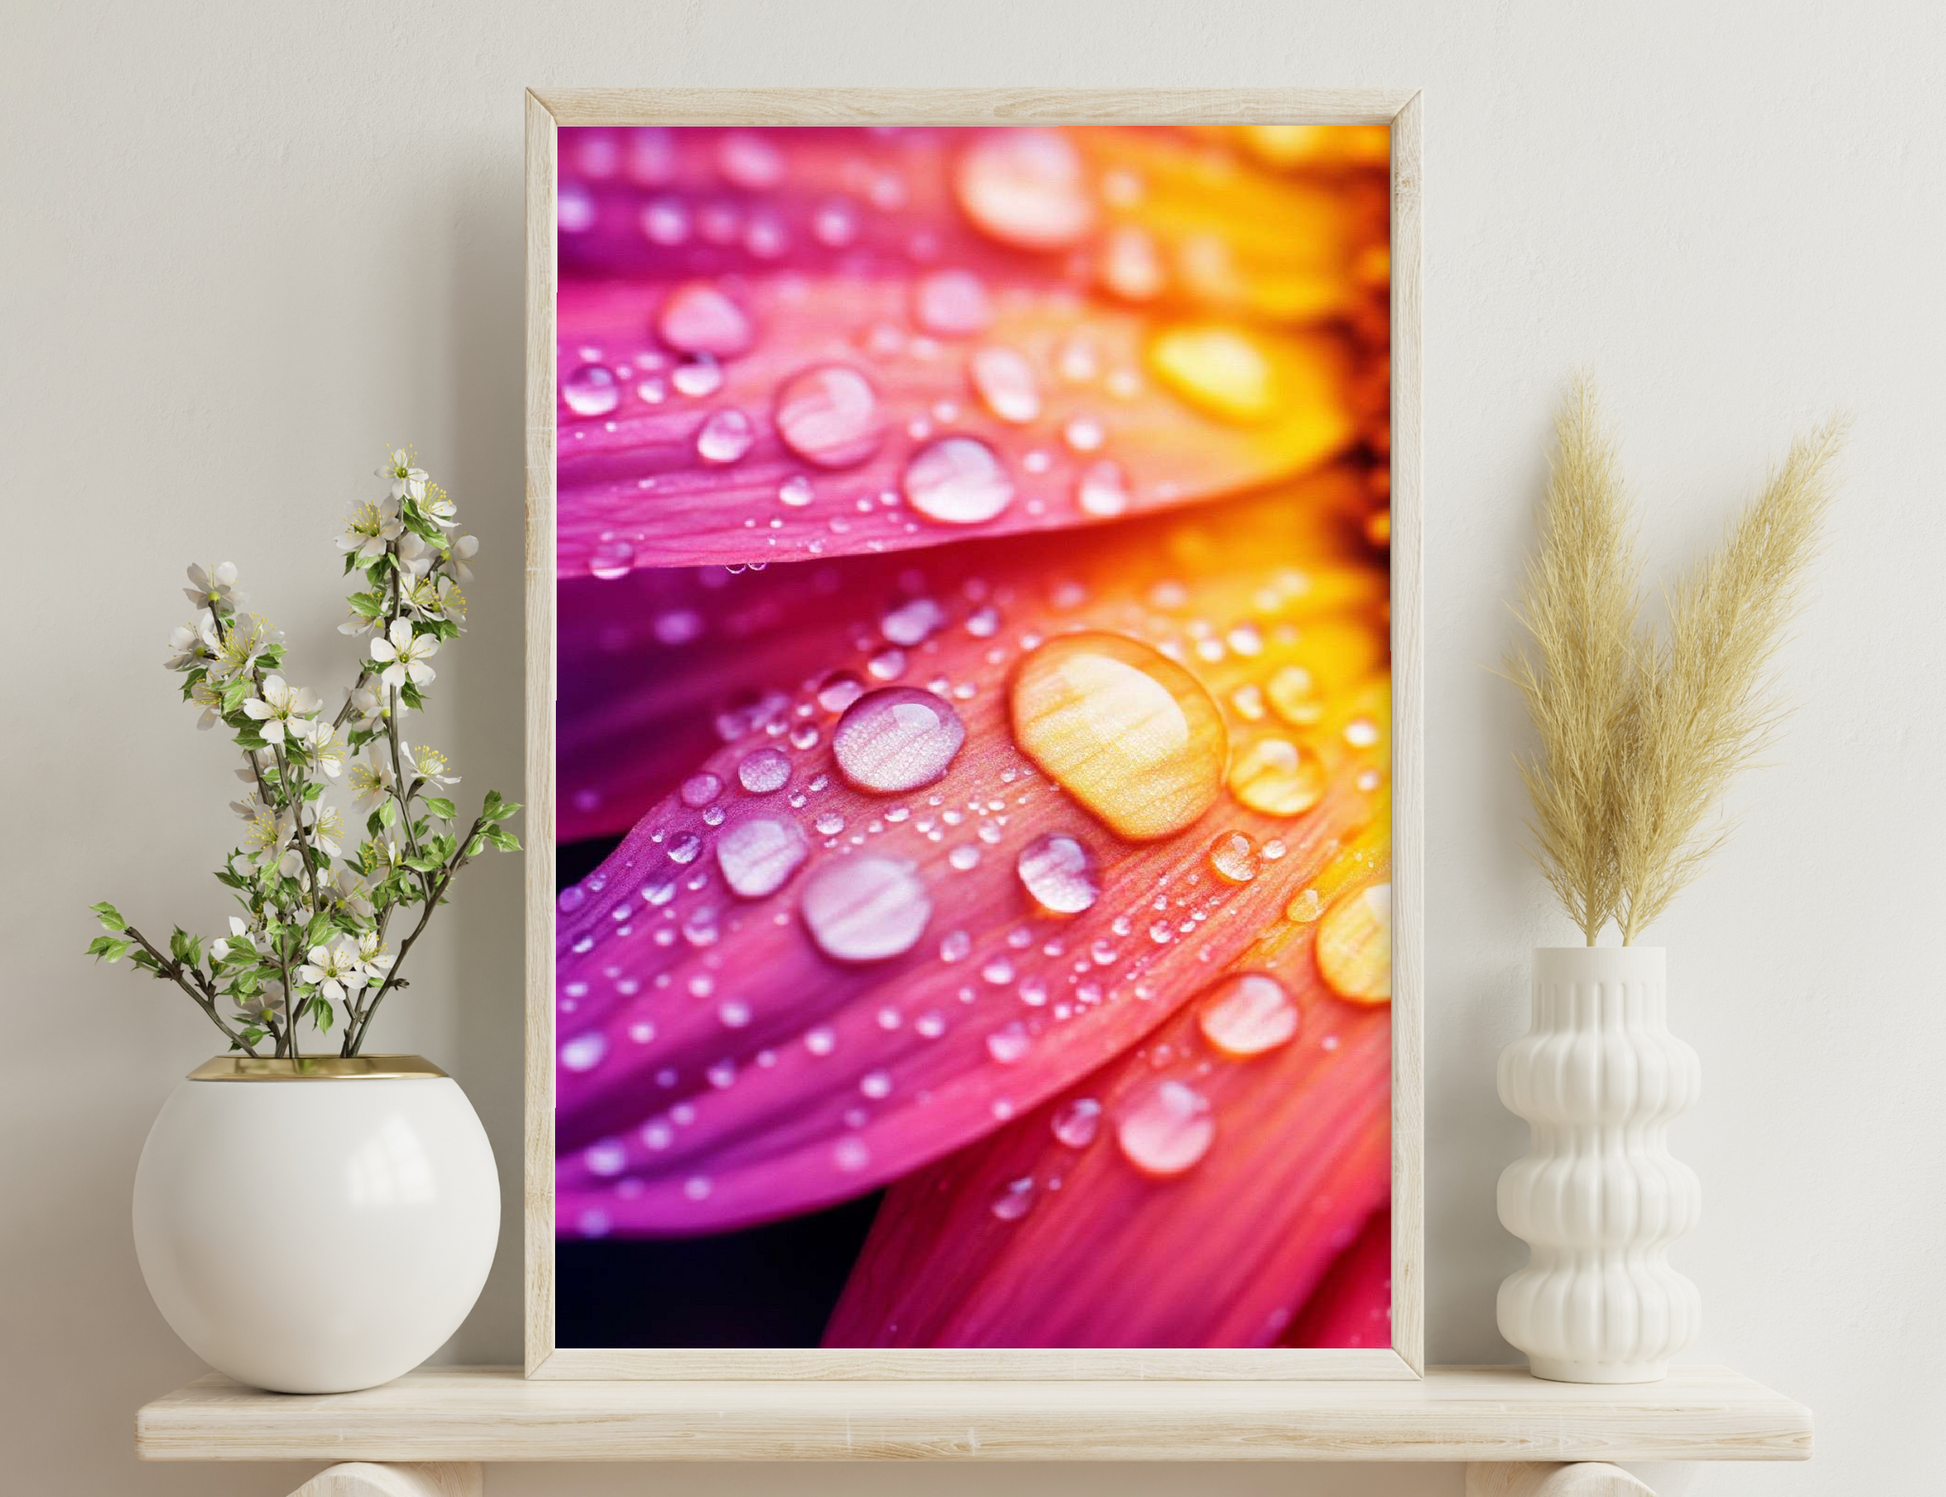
973, 681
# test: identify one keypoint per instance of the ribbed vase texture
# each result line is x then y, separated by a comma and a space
1598, 1198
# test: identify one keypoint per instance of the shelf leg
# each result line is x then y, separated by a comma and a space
1551, 1479
404, 1479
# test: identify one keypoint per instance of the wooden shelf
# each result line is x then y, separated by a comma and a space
1455, 1414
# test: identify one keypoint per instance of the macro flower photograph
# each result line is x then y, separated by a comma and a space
972, 744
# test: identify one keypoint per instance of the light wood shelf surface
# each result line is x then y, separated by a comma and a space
1454, 1414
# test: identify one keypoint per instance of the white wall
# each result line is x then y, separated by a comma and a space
247, 243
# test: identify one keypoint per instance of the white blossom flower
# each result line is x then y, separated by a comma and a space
326, 742
263, 838
242, 645
370, 708
325, 827
247, 805
256, 763
403, 655
192, 643
356, 623
212, 585
334, 969
437, 597
210, 699
376, 960
416, 558
373, 525
459, 552
428, 765
371, 780
407, 481
435, 506
264, 1006
282, 709
348, 893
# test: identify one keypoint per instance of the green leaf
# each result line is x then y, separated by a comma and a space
475, 847
108, 948
249, 738
179, 944
366, 605
321, 1015
148, 963
444, 809
500, 810
109, 916
411, 696
503, 839
234, 693
251, 1036
388, 812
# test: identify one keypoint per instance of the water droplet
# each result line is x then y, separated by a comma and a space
734, 1013
930, 1026
591, 390
1246, 1014
1277, 777
952, 304
1166, 1129
1076, 1123
876, 1084
865, 909
1123, 729
822, 1040
764, 770
749, 160
683, 849
698, 318
1222, 370
835, 224
1130, 266
1361, 732
665, 222
912, 622
1025, 188
850, 1154
1083, 434
612, 559
957, 946
896, 738
1305, 907
697, 377
839, 690
1059, 873
957, 481
571, 899
795, 492
758, 854
1102, 490
1354, 946
585, 1051
1015, 1199
574, 208
700, 789
886, 664
725, 437
830, 416
1004, 381
1009, 1044
696, 1188
1234, 857
964, 857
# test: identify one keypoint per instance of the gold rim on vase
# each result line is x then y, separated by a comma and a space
316, 1068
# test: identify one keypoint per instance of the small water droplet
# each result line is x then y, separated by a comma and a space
1294, 696
1361, 732
1025, 188
957, 481
1125, 730
725, 437
1075, 1123
571, 899
850, 1154
876, 1084
1005, 383
1059, 873
612, 559
696, 1188
1166, 1129
591, 390
1015, 1199
734, 1013
1354, 946
1130, 266
865, 909
699, 318
829, 415
956, 947
1083, 434
1305, 907
886, 664
684, 848
912, 622
1277, 777
952, 304
1102, 489
1234, 857
822, 1040
839, 690
764, 770
585, 1051
700, 789
896, 738
749, 160
1247, 1014
1009, 1044
1224, 371
964, 857
697, 377
759, 854
665, 221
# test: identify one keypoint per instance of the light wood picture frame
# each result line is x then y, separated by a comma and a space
547, 111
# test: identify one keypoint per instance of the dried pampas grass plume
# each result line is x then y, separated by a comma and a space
1640, 734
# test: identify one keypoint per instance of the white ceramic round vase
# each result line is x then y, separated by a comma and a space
320, 1225
1598, 1197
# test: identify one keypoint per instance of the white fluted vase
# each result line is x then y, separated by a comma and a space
1598, 1197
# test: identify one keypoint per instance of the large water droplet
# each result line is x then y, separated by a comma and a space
1005, 383
698, 318
1076, 1123
1166, 1129
957, 481
865, 908
829, 415
759, 853
1059, 873
591, 390
611, 559
1354, 946
896, 738
1123, 729
1234, 857
1248, 1013
1277, 777
1025, 188
952, 304
764, 770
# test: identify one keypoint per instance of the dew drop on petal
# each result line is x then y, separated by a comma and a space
865, 909
1293, 694
749, 160
1130, 266
1005, 383
1354, 946
822, 1040
850, 1154
1009, 1043
1247, 1014
912, 622
1125, 730
591, 390
957, 481
699, 376
611, 560
764, 770
1102, 490
952, 304
1277, 777
725, 437
1075, 1123
585, 1051
1221, 370
1014, 1199
698, 318
759, 853
829, 415
1305, 907
571, 899
700, 789
896, 738
1166, 1129
1025, 188
839, 690
684, 848
1234, 857
1059, 873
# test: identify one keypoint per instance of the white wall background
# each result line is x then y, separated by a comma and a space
244, 244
